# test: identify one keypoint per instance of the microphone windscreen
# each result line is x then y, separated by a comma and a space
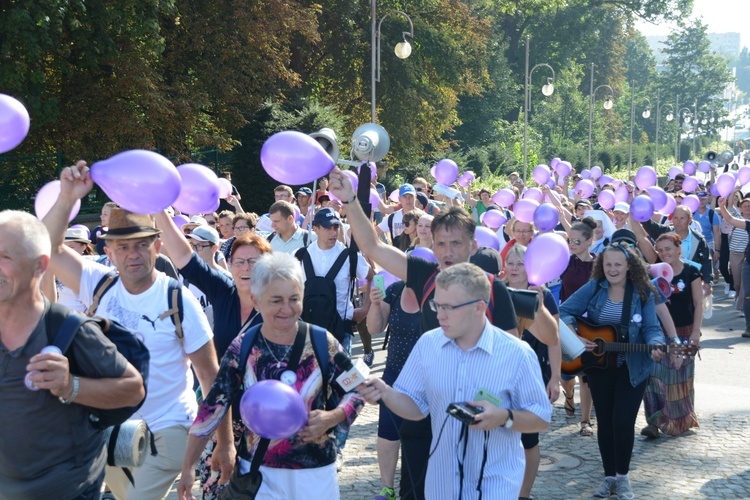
343, 361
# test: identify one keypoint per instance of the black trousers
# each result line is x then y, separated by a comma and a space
416, 438
724, 261
616, 402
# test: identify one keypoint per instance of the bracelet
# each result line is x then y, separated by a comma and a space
350, 200
74, 394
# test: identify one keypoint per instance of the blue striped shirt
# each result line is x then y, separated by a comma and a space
438, 373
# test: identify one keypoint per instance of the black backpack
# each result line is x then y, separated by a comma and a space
319, 301
62, 325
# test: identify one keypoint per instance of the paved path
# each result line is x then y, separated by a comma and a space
712, 461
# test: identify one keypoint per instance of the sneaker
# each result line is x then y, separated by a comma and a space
369, 358
726, 289
742, 314
650, 431
386, 494
623, 489
339, 460
732, 294
606, 489
746, 334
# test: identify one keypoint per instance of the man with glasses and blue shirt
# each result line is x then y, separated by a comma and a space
468, 360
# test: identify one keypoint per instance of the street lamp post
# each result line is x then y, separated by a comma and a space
669, 118
402, 49
646, 113
677, 125
695, 125
547, 90
607, 105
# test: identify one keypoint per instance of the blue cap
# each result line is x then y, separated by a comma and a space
305, 190
407, 189
326, 217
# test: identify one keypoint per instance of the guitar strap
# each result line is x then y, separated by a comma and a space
626, 303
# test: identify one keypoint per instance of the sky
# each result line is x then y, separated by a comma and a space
721, 16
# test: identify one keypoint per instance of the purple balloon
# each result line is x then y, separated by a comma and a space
658, 196
546, 258
352, 177
200, 189
585, 187
668, 208
46, 198
504, 197
388, 278
432, 171
586, 173
743, 175
486, 237
605, 179
374, 198
296, 213
546, 217
645, 177
14, 123
704, 166
273, 410
713, 190
541, 174
725, 184
294, 158
81, 226
551, 194
524, 210
689, 184
553, 163
225, 188
596, 172
470, 175
622, 194
533, 194
180, 220
641, 208
673, 172
689, 167
373, 170
463, 181
424, 253
607, 199
446, 171
563, 168
140, 181
691, 201
493, 219
551, 183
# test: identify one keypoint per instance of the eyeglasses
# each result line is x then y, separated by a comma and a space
576, 241
523, 231
198, 247
241, 262
407, 223
212, 223
447, 307
281, 195
241, 228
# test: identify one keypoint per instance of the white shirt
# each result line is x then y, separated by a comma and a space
398, 223
323, 260
294, 243
170, 400
438, 373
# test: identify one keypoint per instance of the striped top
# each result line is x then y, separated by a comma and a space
439, 373
611, 313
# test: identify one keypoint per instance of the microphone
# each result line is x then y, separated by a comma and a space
354, 374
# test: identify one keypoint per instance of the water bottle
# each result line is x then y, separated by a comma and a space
708, 306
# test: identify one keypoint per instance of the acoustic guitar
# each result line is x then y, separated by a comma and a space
605, 337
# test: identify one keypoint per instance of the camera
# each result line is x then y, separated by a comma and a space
464, 412
525, 302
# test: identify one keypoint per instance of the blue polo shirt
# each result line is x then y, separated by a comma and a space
706, 224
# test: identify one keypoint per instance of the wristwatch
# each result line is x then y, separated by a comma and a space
74, 394
509, 421
346, 202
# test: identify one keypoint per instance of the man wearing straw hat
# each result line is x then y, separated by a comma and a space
139, 301
48, 448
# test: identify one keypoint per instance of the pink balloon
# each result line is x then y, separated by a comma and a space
46, 198
446, 171
388, 278
661, 270
541, 174
533, 194
424, 253
605, 179
486, 237
690, 184
14, 123
673, 172
743, 175
546, 258
668, 208
645, 177
393, 196
373, 170
546, 217
493, 218
725, 184
622, 194
585, 187
704, 166
200, 189
658, 196
689, 167
273, 410
586, 173
691, 201
352, 177
225, 188
524, 210
641, 208
504, 197
180, 220
140, 181
596, 172
294, 158
607, 199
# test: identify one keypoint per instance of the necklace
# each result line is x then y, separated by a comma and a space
278, 361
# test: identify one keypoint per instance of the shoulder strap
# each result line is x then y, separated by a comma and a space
390, 225
337, 265
105, 284
491, 303
174, 304
319, 341
429, 287
304, 256
627, 302
711, 216
62, 326
305, 237
247, 343
270, 236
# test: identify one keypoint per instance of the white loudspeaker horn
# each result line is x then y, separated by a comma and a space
726, 157
711, 156
327, 138
370, 142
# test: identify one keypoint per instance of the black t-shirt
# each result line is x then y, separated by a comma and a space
418, 273
747, 248
540, 348
680, 303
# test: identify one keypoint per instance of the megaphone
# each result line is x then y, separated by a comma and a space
370, 142
726, 157
326, 137
711, 156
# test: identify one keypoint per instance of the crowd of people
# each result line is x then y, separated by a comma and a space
470, 375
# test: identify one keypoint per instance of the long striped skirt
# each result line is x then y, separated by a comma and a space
670, 395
